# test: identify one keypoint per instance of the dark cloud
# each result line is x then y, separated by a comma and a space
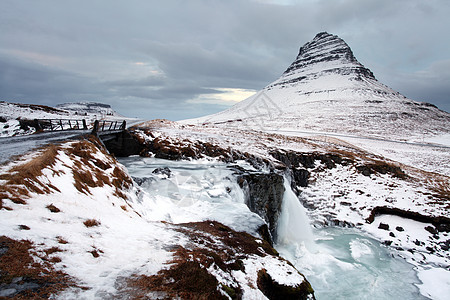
27, 82
159, 55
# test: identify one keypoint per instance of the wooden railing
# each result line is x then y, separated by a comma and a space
59, 124
70, 124
100, 126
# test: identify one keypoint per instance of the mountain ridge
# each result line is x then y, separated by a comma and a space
326, 89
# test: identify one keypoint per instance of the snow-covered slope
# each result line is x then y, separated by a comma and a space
12, 113
89, 108
10, 110
327, 90
92, 233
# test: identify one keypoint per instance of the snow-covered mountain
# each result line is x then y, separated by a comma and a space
326, 89
89, 108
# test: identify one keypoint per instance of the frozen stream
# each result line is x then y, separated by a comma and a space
340, 263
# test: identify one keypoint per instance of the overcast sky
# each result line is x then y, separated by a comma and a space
180, 59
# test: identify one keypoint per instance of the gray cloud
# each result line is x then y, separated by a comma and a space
148, 58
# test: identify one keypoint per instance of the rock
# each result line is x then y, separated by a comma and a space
418, 243
391, 234
162, 171
294, 159
399, 228
264, 193
9, 292
273, 290
144, 181
445, 245
124, 144
431, 229
442, 223
430, 249
383, 226
3, 120
381, 167
300, 177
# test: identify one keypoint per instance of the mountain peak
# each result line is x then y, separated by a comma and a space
326, 89
326, 53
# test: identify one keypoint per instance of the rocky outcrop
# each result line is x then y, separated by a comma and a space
308, 160
264, 196
218, 252
298, 163
330, 49
441, 223
23, 276
381, 167
165, 148
124, 144
273, 290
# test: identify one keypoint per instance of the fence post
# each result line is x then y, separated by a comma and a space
96, 127
37, 125
84, 124
124, 125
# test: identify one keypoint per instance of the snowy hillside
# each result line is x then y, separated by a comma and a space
93, 233
14, 116
350, 194
327, 90
89, 108
30, 111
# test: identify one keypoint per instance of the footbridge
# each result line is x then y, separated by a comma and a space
113, 133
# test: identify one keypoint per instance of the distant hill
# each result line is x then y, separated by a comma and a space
89, 108
13, 116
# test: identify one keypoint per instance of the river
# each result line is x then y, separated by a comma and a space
340, 263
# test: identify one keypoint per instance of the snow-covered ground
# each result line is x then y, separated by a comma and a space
12, 113
82, 211
147, 218
431, 154
342, 195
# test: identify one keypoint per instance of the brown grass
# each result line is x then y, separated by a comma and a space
24, 227
61, 240
52, 250
83, 150
18, 264
382, 167
53, 208
439, 186
91, 223
121, 181
187, 278
89, 172
84, 180
96, 252
22, 179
